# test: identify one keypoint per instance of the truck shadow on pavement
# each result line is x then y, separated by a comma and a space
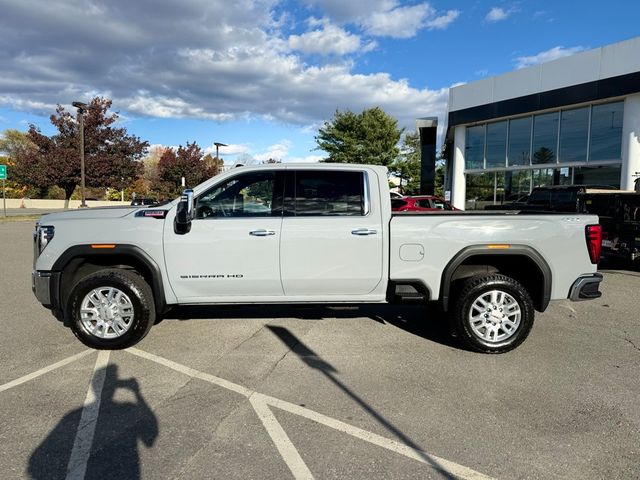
312, 360
424, 321
112, 451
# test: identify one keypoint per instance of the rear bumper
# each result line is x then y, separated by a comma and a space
586, 287
45, 287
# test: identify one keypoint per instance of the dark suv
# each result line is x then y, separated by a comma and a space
559, 198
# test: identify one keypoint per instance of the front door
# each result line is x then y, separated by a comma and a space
232, 249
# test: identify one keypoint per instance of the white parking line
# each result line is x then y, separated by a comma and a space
81, 451
221, 382
291, 453
42, 371
280, 438
436, 462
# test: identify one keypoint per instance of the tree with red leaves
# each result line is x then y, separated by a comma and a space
188, 162
111, 155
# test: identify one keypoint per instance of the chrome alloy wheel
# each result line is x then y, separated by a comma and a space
494, 316
106, 312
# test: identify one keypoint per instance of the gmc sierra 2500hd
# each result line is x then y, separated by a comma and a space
321, 233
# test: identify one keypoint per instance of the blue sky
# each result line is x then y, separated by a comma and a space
262, 75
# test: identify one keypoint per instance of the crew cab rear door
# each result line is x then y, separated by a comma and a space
332, 240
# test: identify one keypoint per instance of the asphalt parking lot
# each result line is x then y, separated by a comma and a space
315, 392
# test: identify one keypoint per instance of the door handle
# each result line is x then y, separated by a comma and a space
261, 232
364, 231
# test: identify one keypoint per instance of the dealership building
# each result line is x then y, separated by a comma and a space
575, 120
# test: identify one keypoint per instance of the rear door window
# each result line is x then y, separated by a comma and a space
325, 193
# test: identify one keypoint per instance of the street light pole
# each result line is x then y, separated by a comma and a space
218, 145
81, 109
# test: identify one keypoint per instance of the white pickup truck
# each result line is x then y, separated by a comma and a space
318, 233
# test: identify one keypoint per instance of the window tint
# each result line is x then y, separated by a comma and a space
496, 144
545, 137
424, 203
606, 132
539, 197
520, 141
574, 129
320, 193
249, 195
397, 203
474, 147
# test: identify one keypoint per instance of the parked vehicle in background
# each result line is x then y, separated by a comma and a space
558, 198
420, 203
144, 201
395, 195
322, 233
619, 214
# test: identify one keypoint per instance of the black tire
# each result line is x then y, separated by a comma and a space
139, 294
494, 322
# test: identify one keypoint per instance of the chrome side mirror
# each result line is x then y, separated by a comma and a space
184, 213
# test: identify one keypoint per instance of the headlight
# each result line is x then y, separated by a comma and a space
44, 234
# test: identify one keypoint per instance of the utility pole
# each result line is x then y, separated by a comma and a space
82, 107
218, 145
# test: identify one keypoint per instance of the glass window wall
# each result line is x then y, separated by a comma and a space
605, 176
545, 138
480, 190
574, 132
519, 152
517, 184
496, 144
474, 149
606, 132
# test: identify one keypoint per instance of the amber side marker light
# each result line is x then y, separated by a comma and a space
498, 247
103, 245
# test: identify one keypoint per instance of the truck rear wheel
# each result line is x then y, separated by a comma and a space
493, 313
111, 309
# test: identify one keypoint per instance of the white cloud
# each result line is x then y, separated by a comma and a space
385, 18
443, 21
230, 149
329, 40
206, 59
348, 11
497, 14
404, 22
307, 159
278, 151
546, 56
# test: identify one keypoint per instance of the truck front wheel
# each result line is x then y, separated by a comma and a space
493, 313
111, 309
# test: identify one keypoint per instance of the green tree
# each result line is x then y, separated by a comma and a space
111, 155
370, 137
407, 165
439, 180
544, 155
14, 143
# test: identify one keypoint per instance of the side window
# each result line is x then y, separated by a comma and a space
397, 203
326, 193
424, 203
249, 195
440, 205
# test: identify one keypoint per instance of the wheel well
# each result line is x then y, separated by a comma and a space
80, 267
522, 268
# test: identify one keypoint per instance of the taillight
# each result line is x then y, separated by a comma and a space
594, 242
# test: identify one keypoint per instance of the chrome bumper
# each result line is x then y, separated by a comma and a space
586, 287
